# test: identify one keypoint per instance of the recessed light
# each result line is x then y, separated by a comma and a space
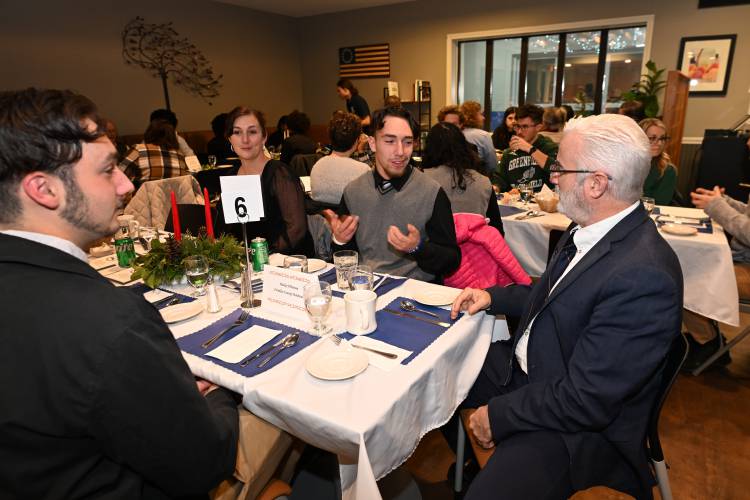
628, 61
568, 65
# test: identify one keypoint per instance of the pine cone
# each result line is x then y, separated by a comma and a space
174, 252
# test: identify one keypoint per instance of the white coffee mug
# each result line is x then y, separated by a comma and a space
133, 225
360, 311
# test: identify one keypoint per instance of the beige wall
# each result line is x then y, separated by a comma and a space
77, 45
417, 36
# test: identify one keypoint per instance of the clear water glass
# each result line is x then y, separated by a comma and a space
525, 191
197, 271
296, 263
345, 262
361, 278
318, 304
648, 203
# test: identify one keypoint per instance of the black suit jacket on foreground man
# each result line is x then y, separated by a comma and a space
97, 399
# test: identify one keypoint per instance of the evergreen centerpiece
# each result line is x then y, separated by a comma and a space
163, 263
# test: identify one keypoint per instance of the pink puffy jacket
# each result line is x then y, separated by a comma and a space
486, 259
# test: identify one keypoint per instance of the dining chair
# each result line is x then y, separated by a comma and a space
670, 369
725, 347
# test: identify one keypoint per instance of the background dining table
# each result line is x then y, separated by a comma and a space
705, 258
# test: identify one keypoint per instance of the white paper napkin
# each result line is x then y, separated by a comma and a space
122, 275
102, 262
156, 295
244, 344
381, 362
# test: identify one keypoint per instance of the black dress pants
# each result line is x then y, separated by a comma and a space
529, 465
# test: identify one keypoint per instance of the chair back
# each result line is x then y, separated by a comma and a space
671, 368
192, 218
302, 164
151, 203
209, 179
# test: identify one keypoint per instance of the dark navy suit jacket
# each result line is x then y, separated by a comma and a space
595, 354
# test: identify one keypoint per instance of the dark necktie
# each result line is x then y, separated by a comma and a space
560, 262
556, 266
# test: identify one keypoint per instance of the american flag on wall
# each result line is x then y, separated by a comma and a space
365, 61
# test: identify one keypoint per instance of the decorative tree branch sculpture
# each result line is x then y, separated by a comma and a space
158, 49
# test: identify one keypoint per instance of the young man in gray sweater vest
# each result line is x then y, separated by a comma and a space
398, 219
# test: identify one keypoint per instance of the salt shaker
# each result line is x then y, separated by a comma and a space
213, 298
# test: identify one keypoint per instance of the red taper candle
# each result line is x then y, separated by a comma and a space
175, 219
209, 222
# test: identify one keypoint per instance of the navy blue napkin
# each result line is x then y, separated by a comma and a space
508, 210
408, 333
192, 343
141, 288
388, 285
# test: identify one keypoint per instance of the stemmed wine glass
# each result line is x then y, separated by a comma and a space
196, 270
318, 303
526, 192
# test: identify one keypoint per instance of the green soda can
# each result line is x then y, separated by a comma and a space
124, 247
259, 248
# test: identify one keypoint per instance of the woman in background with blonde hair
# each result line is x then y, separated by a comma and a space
662, 178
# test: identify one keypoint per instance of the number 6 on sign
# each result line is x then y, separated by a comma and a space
241, 198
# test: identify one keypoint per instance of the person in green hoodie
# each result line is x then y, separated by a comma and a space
662, 178
530, 154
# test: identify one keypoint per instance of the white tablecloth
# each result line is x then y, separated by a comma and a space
706, 260
372, 422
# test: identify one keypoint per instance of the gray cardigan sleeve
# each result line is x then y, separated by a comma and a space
732, 215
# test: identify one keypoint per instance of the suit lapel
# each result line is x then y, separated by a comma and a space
597, 252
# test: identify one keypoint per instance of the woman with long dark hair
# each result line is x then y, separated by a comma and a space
503, 132
157, 157
449, 159
284, 224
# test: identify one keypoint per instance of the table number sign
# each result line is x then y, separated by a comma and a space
283, 290
241, 198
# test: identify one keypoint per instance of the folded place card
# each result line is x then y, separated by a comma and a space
156, 295
244, 344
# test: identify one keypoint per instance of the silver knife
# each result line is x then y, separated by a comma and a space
407, 315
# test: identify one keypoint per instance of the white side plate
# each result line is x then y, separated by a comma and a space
180, 312
315, 265
679, 229
436, 297
337, 364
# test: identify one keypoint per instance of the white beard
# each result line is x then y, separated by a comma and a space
573, 205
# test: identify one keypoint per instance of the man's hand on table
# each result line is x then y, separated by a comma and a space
479, 423
471, 300
204, 386
702, 197
404, 242
343, 227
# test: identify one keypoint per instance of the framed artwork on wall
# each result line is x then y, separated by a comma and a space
707, 61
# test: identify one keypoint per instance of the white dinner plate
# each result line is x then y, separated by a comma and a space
679, 229
179, 312
436, 297
102, 250
315, 265
337, 364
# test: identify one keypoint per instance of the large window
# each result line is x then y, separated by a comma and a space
587, 69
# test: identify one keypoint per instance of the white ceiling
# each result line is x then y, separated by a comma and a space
304, 8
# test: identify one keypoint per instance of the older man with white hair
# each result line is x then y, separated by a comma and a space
567, 399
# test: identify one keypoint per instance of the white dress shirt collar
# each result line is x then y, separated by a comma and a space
52, 241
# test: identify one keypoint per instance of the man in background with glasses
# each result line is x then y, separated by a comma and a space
527, 160
567, 399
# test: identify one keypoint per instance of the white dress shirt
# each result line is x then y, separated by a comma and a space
584, 238
51, 241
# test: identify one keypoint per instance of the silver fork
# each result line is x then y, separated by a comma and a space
337, 340
243, 317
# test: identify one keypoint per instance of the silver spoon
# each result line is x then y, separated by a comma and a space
408, 305
288, 342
